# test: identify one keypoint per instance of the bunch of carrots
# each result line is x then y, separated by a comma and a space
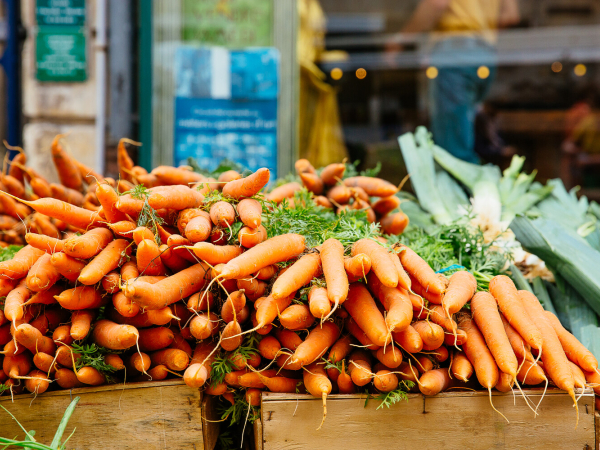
333, 191
174, 274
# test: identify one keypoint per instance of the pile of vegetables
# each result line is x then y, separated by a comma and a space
237, 292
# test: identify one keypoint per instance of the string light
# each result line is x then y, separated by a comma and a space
556, 66
580, 70
483, 72
431, 72
361, 73
336, 73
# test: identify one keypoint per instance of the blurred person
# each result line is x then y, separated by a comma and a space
464, 38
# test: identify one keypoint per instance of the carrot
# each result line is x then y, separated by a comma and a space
357, 266
438, 315
204, 325
555, 361
575, 350
284, 191
67, 195
172, 358
385, 381
486, 316
152, 339
420, 270
250, 237
274, 250
170, 290
32, 339
16, 366
67, 266
216, 254
114, 361
62, 335
7, 285
593, 378
5, 334
460, 290
247, 187
433, 382
45, 362
42, 274
361, 306
107, 260
201, 301
123, 160
461, 367
269, 347
531, 373
184, 217
316, 344
431, 334
222, 214
148, 258
338, 352
111, 282
360, 335
37, 382
386, 205
88, 175
394, 223
200, 368
250, 211
520, 348
18, 160
141, 233
72, 215
479, 355
89, 244
22, 261
380, 261
375, 187
296, 317
229, 175
45, 226
359, 366
312, 182
114, 336
231, 336
174, 197
289, 339
332, 260
65, 166
332, 173
90, 376
318, 302
199, 228
505, 293
13, 305
389, 356
81, 323
318, 385
304, 166
123, 228
395, 301
45, 243
297, 275
233, 305
168, 175
67, 379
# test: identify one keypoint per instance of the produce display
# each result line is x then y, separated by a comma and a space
316, 285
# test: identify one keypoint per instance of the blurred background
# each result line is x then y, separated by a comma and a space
263, 82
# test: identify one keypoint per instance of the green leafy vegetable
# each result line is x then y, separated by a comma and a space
391, 398
148, 217
9, 252
93, 355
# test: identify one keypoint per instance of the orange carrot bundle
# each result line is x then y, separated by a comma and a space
381, 263
19, 265
361, 306
395, 301
247, 187
461, 288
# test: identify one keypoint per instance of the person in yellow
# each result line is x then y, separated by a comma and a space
464, 37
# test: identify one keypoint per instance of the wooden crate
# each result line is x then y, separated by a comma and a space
451, 420
152, 415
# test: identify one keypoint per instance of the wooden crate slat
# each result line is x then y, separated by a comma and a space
154, 415
448, 421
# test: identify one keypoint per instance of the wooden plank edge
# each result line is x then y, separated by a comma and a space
272, 396
103, 388
210, 424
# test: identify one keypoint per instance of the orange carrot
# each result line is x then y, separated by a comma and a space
172, 175
479, 355
431, 334
148, 259
360, 335
486, 316
381, 263
435, 381
332, 261
114, 336
141, 233
289, 339
318, 385
247, 187
81, 323
269, 347
198, 229
123, 228
318, 302
386, 205
7, 285
42, 274
114, 361
574, 349
394, 223
62, 335
375, 187
13, 305
316, 344
231, 337
312, 182
555, 361
153, 339
359, 366
88, 174
89, 244
390, 357
233, 305
385, 381
110, 283
361, 306
65, 166
460, 290
67, 379
251, 237
250, 211
344, 381
37, 382
81, 297
333, 173
107, 260
284, 191
409, 339
222, 214
461, 367
505, 293
395, 301
420, 270
299, 274
65, 194
19, 265
175, 197
201, 301
89, 375
123, 160
520, 347
200, 368
357, 267
45, 243
304, 166
170, 290
339, 195
33, 340
296, 317
67, 266
274, 250
204, 325
216, 254
172, 358
45, 362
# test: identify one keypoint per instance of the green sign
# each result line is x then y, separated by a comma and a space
60, 54
60, 12
230, 23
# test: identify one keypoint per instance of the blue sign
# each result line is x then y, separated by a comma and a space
226, 106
